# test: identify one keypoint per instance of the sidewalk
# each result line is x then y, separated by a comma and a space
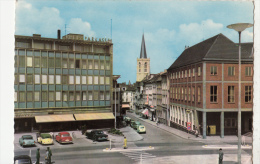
188, 136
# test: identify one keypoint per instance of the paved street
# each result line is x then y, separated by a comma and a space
158, 145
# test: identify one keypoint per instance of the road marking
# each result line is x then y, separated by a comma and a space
137, 154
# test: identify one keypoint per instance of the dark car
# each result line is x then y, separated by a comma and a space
22, 159
132, 122
97, 135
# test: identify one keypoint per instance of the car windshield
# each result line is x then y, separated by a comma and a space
22, 161
46, 136
27, 137
100, 132
141, 127
65, 135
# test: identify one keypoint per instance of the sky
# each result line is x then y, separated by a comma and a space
168, 26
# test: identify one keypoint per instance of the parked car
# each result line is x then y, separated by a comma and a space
44, 138
132, 123
136, 124
22, 159
141, 129
63, 137
97, 135
26, 140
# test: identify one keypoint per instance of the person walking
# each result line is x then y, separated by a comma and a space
49, 155
209, 130
196, 132
220, 158
125, 143
38, 156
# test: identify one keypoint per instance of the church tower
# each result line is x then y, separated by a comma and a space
143, 63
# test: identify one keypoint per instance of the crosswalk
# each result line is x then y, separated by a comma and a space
138, 155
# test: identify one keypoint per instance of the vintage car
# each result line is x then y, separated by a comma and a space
97, 135
132, 122
26, 140
22, 159
44, 138
141, 129
63, 137
136, 124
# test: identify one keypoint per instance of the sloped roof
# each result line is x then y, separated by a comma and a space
218, 47
143, 49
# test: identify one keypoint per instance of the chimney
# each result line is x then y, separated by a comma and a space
58, 34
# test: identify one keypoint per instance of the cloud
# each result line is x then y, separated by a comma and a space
195, 32
78, 26
30, 20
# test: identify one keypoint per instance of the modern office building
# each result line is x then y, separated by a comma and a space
204, 87
62, 83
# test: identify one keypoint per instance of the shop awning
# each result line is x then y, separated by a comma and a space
145, 112
125, 106
94, 116
54, 118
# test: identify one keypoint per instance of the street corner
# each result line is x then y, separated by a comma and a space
130, 149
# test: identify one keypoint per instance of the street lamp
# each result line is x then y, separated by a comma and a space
239, 27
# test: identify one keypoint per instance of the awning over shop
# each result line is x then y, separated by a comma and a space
125, 106
145, 112
94, 116
54, 118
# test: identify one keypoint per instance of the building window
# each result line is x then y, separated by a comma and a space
71, 96
21, 61
58, 81
181, 74
95, 79
51, 96
248, 94
29, 96
77, 63
58, 96
107, 80
90, 80
145, 67
15, 96
189, 72
84, 95
84, 64
36, 96
51, 62
107, 95
22, 96
51, 79
231, 71
71, 63
90, 96
101, 80
213, 94
64, 63
57, 63
37, 79
96, 64
90, 64
71, 79
231, 96
193, 94
29, 79
102, 66
29, 62
21, 78
248, 71
185, 92
77, 79
44, 96
95, 95
64, 96
44, 62
107, 65
193, 71
230, 123
199, 98
139, 67
36, 62
189, 94
83, 79
185, 73
44, 79
101, 95
199, 71
64, 79
77, 96
173, 75
213, 70
176, 93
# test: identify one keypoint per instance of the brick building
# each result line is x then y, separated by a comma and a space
204, 87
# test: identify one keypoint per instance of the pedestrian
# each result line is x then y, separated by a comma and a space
196, 132
208, 130
49, 155
220, 158
243, 140
38, 156
125, 143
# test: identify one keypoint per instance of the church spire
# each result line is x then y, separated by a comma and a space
143, 49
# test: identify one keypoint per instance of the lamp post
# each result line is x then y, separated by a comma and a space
239, 27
